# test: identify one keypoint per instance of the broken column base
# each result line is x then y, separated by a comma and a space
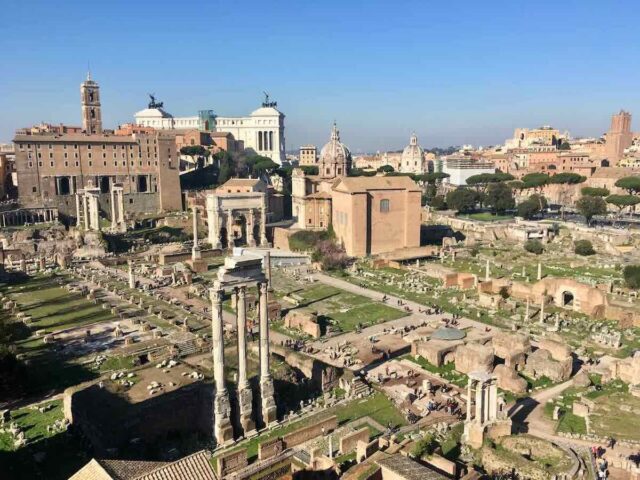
473, 434
198, 265
222, 428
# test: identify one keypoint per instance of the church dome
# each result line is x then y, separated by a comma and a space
413, 150
334, 151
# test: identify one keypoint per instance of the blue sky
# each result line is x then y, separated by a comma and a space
455, 72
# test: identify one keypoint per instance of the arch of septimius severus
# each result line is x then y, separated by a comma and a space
238, 218
237, 275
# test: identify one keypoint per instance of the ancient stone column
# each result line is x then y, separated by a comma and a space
222, 428
251, 221
469, 399
230, 238
487, 402
266, 382
539, 271
263, 227
541, 319
213, 222
78, 217
526, 311
195, 251
487, 272
120, 197
245, 397
493, 400
114, 221
94, 214
479, 404
132, 279
267, 268
85, 211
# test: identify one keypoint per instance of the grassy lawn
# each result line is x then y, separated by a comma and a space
54, 308
447, 371
487, 217
62, 453
341, 310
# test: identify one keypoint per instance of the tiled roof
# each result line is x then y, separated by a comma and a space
129, 469
195, 466
405, 468
364, 184
91, 471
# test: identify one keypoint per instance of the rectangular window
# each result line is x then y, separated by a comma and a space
384, 206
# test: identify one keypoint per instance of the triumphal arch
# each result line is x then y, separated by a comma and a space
237, 218
239, 273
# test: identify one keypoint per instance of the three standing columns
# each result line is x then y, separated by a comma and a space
223, 429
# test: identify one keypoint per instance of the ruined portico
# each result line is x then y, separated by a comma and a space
488, 418
87, 209
236, 275
237, 217
117, 208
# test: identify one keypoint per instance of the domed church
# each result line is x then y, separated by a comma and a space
412, 160
335, 157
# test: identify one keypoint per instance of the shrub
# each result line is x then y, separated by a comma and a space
631, 275
306, 239
534, 246
438, 203
583, 247
425, 446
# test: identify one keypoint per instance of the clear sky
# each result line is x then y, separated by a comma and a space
454, 72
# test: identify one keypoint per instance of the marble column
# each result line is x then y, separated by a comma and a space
213, 220
132, 279
251, 221
526, 311
245, 397
195, 251
114, 221
267, 268
541, 319
479, 404
263, 227
487, 272
222, 428
469, 399
85, 211
230, 237
539, 271
120, 198
493, 400
266, 381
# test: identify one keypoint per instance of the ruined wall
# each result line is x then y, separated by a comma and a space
110, 421
317, 429
349, 442
474, 357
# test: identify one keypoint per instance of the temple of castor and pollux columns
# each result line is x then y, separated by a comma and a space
237, 275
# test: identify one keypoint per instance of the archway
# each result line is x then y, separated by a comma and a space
567, 299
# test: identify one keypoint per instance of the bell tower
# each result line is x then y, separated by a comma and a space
91, 112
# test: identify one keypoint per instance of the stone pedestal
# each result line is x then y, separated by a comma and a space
198, 265
222, 428
245, 399
267, 391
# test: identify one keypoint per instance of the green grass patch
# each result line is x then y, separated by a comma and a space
446, 371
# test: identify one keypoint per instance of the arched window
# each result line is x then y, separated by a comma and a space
384, 205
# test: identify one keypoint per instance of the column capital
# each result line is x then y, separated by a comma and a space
264, 287
216, 294
241, 291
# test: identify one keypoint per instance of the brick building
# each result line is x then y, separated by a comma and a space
53, 165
